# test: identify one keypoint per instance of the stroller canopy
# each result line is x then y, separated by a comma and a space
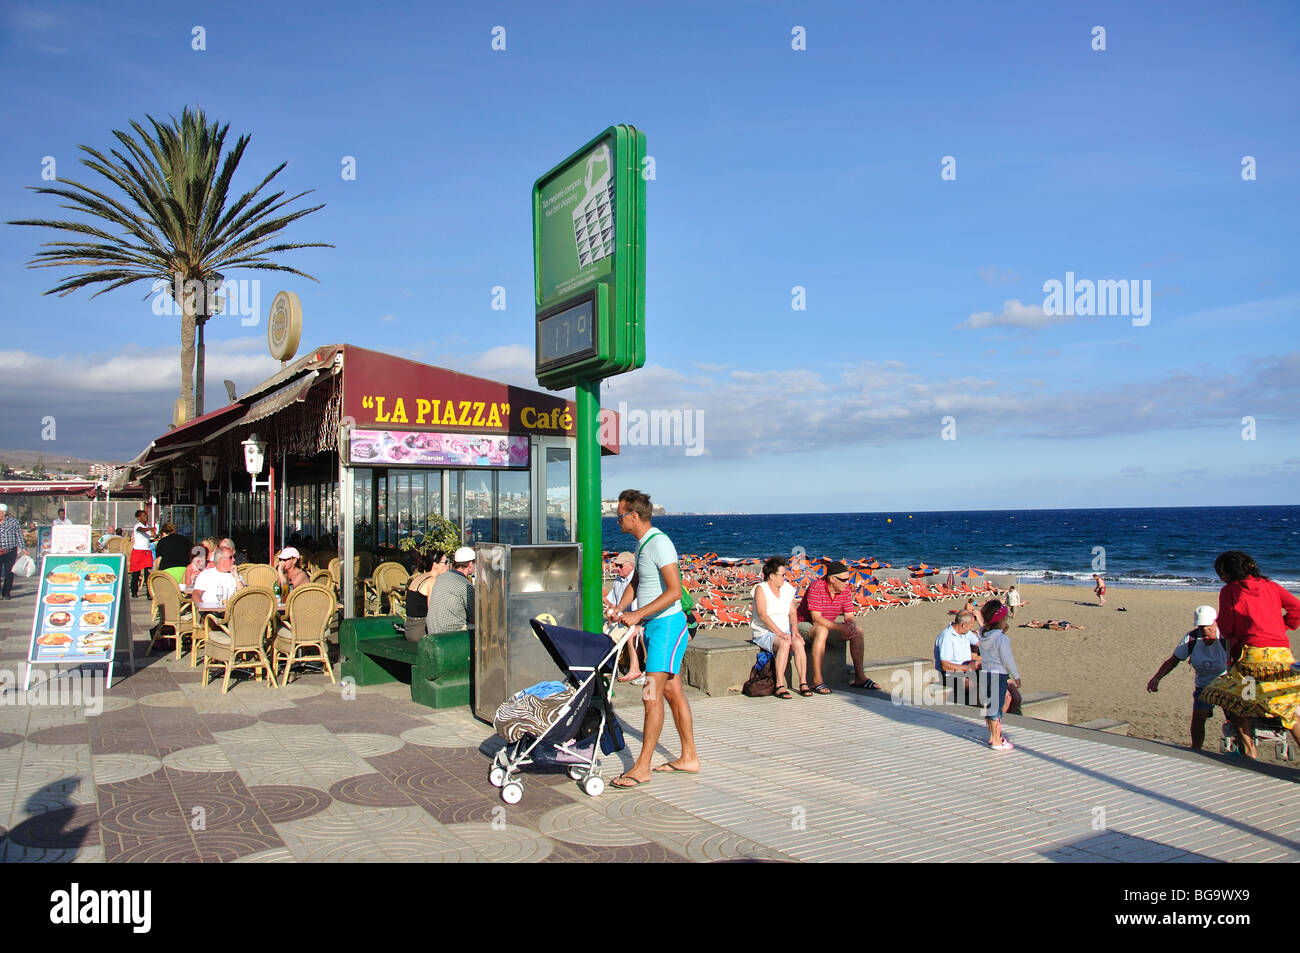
574, 648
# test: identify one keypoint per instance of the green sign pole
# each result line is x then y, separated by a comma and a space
589, 289
587, 399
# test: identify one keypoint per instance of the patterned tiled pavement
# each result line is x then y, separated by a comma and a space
175, 771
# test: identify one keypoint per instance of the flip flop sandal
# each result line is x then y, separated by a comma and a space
783, 693
821, 688
625, 787
804, 690
868, 684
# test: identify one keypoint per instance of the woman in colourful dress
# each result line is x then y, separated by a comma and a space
1254, 616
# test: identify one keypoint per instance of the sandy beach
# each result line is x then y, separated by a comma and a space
1104, 668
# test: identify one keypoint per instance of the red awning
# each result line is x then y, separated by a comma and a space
47, 488
200, 428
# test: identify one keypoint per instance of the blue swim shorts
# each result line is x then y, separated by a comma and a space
666, 639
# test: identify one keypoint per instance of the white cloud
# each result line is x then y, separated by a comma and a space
1014, 315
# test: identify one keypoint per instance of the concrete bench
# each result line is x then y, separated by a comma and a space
372, 653
1048, 706
718, 666
1110, 725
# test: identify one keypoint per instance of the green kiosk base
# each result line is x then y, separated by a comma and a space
372, 653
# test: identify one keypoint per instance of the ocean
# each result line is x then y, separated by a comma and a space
1157, 547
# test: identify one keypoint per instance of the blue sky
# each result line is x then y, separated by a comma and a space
775, 168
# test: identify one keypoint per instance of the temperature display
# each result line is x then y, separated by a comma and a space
566, 335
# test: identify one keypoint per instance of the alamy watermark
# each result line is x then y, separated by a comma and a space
1131, 298
75, 689
216, 296
654, 428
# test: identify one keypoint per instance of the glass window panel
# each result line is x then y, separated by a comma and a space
559, 501
477, 505
455, 496
514, 508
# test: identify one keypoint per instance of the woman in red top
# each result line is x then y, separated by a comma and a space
1254, 616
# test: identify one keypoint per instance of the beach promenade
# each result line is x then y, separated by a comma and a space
173, 771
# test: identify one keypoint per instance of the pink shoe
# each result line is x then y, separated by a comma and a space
1004, 746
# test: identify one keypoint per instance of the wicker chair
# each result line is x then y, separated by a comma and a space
388, 576
321, 577
260, 576
173, 615
248, 614
118, 544
309, 612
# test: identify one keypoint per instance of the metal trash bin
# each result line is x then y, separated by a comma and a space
513, 584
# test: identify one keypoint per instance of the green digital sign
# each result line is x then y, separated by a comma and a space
589, 261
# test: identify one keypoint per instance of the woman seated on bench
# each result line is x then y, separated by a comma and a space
427, 570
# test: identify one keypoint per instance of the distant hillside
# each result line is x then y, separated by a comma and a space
53, 461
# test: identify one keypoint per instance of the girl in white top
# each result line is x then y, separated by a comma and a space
999, 672
774, 620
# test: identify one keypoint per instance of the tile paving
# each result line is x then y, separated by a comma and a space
174, 771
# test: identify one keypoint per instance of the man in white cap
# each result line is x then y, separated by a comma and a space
287, 569
11, 544
1205, 652
451, 601
624, 564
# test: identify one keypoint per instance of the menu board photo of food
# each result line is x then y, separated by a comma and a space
78, 608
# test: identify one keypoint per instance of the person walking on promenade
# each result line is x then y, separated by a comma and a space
11, 544
657, 586
1205, 652
141, 553
1254, 616
1000, 674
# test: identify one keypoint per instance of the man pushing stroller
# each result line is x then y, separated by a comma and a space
657, 587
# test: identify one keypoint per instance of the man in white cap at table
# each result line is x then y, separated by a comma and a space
287, 569
451, 601
1204, 650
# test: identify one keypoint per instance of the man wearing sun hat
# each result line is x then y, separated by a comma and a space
828, 607
1204, 650
451, 601
287, 569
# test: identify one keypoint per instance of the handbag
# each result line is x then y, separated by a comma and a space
24, 566
762, 681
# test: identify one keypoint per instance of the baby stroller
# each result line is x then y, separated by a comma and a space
571, 724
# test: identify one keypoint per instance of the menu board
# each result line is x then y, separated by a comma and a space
79, 608
69, 538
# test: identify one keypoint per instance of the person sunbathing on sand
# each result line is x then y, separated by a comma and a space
1051, 624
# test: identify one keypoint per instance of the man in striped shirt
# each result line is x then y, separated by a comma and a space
11, 544
828, 607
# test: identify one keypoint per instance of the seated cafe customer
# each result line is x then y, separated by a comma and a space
173, 548
198, 562
288, 571
216, 584
451, 603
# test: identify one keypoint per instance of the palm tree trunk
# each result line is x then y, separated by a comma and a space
198, 370
186, 302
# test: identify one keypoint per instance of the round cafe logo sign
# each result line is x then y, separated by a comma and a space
284, 327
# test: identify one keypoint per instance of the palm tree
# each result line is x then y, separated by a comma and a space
172, 226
